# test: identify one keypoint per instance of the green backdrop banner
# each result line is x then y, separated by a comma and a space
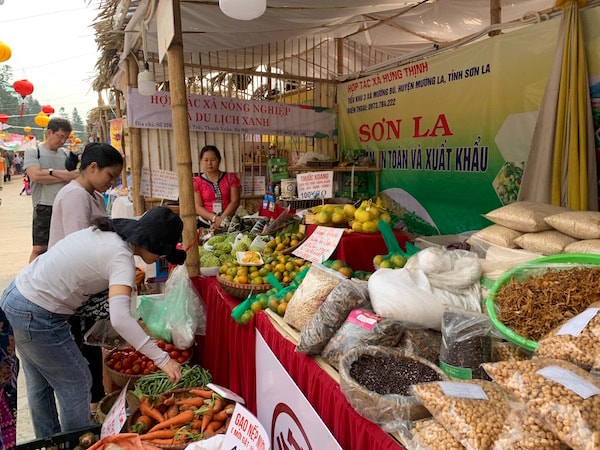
452, 132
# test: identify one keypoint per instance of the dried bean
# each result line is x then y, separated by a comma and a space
570, 416
390, 375
431, 435
474, 422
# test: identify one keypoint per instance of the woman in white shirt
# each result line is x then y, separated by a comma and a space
75, 207
42, 297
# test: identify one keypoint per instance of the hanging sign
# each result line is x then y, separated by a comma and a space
159, 183
231, 115
315, 185
320, 245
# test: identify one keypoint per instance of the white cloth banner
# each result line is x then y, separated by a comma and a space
231, 115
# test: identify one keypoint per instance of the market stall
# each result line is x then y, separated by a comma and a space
229, 354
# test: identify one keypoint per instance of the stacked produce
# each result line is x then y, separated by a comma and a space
362, 219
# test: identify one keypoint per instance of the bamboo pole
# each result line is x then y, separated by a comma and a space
135, 138
119, 114
181, 135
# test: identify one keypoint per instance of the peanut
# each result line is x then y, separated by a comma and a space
572, 418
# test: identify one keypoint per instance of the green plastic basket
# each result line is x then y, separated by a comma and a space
534, 267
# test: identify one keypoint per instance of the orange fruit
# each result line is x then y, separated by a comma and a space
281, 308
280, 267
256, 306
273, 304
243, 279
346, 271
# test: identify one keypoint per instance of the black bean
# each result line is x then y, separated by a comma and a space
390, 375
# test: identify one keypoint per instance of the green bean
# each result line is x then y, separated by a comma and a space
157, 383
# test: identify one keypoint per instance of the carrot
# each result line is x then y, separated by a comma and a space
142, 424
218, 404
169, 401
206, 419
158, 434
223, 428
192, 401
204, 393
220, 416
147, 410
180, 419
196, 424
171, 412
212, 428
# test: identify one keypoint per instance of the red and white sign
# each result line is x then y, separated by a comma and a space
293, 423
116, 417
245, 432
320, 245
315, 185
230, 115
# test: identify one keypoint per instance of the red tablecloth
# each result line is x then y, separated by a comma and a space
358, 249
229, 354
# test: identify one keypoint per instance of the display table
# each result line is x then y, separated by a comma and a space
228, 353
358, 249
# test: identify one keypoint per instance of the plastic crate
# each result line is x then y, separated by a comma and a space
61, 441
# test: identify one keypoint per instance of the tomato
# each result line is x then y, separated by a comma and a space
136, 368
127, 363
169, 348
118, 366
146, 372
181, 359
186, 353
161, 343
174, 354
129, 372
116, 356
152, 367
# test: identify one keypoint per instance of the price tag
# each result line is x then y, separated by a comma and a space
245, 432
116, 417
320, 245
315, 185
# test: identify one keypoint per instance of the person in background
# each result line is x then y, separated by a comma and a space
75, 207
7, 166
216, 193
26, 188
18, 162
50, 167
9, 369
42, 297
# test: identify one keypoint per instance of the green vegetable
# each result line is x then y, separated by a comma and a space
157, 383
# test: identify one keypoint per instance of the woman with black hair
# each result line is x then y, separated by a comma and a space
42, 297
216, 193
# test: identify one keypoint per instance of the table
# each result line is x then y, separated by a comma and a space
358, 249
228, 353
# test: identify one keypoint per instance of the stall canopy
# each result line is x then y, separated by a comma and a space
396, 29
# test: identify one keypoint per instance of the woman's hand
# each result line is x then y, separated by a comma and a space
173, 371
218, 220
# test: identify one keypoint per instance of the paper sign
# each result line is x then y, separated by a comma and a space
315, 185
159, 183
245, 432
116, 417
320, 245
254, 185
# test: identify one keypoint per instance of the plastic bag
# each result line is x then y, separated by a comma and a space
376, 381
177, 316
102, 334
361, 327
466, 343
312, 292
577, 340
330, 316
563, 396
473, 411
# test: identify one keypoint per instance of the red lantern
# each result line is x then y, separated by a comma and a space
23, 88
31, 137
48, 109
3, 118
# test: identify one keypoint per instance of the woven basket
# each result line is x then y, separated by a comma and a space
242, 291
177, 393
119, 378
108, 401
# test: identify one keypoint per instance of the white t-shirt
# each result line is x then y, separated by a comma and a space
74, 209
83, 263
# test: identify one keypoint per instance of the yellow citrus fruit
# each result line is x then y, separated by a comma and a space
256, 306
357, 226
281, 308
377, 260
349, 210
369, 227
339, 218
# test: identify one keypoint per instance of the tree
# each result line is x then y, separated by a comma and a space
76, 121
63, 113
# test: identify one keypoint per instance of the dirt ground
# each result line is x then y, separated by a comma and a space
15, 247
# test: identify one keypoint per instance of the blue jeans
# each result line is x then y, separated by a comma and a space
55, 370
